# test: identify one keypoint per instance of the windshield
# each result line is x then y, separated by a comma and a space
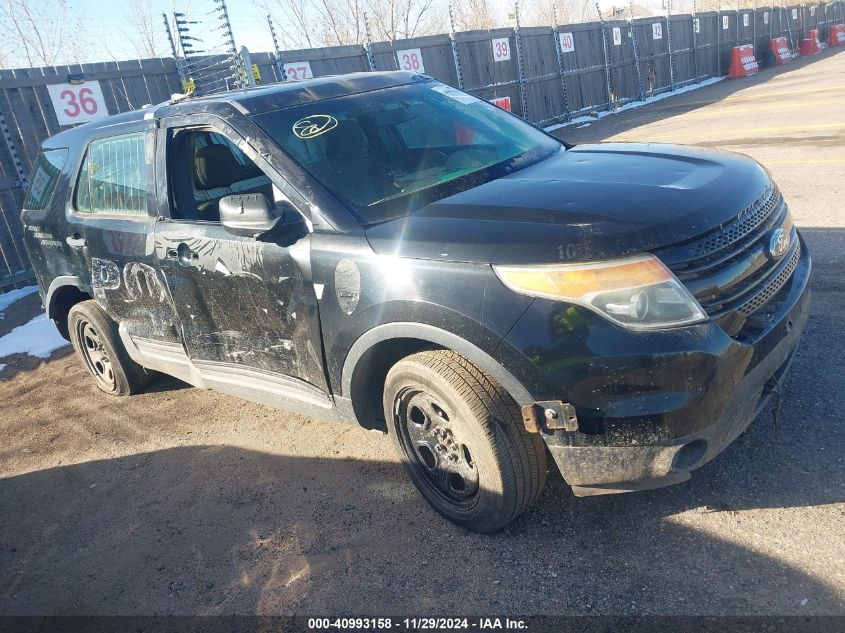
387, 152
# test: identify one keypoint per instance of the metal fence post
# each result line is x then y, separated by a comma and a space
455, 55
280, 67
754, 27
636, 52
556, 38
719, 42
523, 93
693, 22
179, 69
607, 83
13, 152
368, 45
669, 45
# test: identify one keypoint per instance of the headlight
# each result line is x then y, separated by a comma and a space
636, 292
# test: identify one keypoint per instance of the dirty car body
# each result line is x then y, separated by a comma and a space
471, 246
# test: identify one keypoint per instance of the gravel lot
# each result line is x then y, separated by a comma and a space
180, 501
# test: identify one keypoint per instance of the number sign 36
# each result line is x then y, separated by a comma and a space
78, 103
410, 59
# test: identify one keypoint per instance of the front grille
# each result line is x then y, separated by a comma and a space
773, 285
728, 269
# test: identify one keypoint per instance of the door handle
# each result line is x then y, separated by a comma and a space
184, 255
75, 242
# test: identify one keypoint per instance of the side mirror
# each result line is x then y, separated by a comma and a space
247, 214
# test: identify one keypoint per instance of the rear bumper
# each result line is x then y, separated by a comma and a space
648, 420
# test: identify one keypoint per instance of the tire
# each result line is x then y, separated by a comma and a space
461, 440
96, 341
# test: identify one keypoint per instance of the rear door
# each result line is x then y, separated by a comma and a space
111, 229
248, 309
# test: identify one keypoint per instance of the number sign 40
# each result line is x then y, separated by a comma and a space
78, 103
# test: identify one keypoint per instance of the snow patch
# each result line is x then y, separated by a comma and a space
633, 104
8, 298
38, 338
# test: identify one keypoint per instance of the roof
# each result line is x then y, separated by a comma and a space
253, 100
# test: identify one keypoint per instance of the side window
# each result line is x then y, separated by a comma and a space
204, 167
44, 177
113, 179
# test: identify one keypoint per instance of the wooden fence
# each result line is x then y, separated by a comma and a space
544, 74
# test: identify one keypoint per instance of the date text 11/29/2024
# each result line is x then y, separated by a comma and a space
417, 624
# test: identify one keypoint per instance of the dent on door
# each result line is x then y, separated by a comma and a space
242, 301
125, 284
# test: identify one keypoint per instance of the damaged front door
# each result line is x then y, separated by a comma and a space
248, 308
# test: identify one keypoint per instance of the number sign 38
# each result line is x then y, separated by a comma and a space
410, 59
78, 103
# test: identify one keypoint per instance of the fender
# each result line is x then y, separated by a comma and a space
60, 282
474, 354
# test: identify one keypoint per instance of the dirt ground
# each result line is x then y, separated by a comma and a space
180, 501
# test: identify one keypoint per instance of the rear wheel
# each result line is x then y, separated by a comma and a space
95, 338
461, 440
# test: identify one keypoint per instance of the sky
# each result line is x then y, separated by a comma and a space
110, 25
249, 24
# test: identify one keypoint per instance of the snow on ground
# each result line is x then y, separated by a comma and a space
39, 337
633, 104
8, 298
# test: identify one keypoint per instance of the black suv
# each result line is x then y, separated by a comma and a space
381, 247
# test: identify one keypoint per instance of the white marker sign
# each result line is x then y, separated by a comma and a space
795, 14
78, 103
501, 49
696, 25
297, 71
617, 36
725, 23
746, 19
410, 59
765, 17
657, 31
567, 43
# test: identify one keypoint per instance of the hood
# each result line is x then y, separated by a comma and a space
586, 203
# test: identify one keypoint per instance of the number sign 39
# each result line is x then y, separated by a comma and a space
78, 103
410, 59
501, 49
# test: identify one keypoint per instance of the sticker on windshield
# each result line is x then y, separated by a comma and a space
314, 125
457, 95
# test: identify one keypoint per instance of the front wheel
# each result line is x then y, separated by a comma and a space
95, 338
461, 439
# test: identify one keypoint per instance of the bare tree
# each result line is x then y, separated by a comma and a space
314, 23
473, 15
402, 19
147, 31
545, 12
41, 32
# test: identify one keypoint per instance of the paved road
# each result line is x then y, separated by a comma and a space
181, 501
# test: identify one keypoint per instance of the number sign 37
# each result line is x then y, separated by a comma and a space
78, 103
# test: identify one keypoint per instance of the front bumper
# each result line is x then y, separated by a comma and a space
653, 407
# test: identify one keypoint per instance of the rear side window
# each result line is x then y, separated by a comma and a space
44, 177
113, 178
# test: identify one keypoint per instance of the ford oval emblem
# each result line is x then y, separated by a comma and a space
778, 243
